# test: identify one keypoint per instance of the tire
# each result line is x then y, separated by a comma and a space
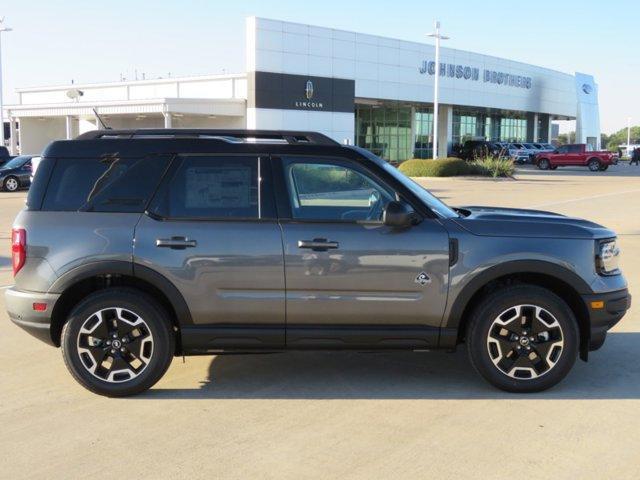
93, 355
594, 165
544, 164
604, 168
547, 315
11, 184
554, 167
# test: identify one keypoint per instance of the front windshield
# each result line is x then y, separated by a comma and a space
16, 162
435, 204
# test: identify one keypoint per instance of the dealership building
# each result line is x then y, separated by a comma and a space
371, 91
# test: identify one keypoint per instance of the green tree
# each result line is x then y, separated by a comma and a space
565, 138
620, 138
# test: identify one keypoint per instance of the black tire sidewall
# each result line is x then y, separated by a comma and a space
544, 164
142, 305
496, 303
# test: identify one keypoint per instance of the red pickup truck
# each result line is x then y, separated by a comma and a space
579, 154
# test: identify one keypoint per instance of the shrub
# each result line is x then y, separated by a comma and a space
453, 167
495, 166
445, 167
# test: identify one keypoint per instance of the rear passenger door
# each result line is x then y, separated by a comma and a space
211, 230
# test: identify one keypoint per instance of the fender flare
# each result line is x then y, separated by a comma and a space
454, 319
130, 269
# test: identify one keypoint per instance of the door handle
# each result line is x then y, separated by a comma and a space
176, 243
318, 244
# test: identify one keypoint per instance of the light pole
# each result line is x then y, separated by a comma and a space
2, 29
436, 34
628, 133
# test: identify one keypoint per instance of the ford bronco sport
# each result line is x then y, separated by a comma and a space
136, 246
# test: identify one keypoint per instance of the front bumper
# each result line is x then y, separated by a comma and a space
614, 306
20, 309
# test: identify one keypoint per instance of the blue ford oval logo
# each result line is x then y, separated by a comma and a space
586, 88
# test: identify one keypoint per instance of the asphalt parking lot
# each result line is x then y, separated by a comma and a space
343, 415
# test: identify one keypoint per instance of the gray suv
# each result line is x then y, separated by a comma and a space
137, 246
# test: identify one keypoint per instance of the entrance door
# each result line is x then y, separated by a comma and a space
211, 230
352, 281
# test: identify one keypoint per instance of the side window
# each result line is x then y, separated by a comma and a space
211, 187
575, 149
334, 190
563, 149
103, 185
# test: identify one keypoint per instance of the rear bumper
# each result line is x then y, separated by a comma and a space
20, 309
603, 319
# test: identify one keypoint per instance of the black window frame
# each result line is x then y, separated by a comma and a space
266, 205
283, 200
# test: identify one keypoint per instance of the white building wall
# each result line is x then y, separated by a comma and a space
385, 68
588, 114
36, 133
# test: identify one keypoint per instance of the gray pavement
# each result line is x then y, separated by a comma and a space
343, 415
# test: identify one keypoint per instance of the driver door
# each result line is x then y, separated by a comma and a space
352, 281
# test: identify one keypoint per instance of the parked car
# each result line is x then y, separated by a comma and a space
16, 173
35, 163
4, 156
472, 149
544, 147
576, 155
133, 249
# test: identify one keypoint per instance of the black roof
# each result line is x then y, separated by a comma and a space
127, 143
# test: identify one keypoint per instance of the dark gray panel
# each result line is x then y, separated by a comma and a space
300, 92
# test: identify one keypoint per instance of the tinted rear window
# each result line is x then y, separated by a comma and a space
103, 185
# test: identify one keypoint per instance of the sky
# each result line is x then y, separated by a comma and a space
53, 42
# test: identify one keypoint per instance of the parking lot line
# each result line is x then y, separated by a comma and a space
581, 199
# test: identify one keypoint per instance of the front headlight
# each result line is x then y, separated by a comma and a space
608, 257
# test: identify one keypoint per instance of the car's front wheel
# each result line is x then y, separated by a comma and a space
11, 184
523, 338
594, 165
118, 342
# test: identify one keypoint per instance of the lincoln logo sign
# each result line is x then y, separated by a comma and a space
308, 93
466, 72
586, 88
309, 90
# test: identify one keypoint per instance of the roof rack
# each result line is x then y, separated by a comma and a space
231, 136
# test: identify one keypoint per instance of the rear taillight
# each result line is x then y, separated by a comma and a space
18, 248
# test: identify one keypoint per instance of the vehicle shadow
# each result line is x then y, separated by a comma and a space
612, 373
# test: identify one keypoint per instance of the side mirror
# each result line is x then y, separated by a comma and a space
398, 215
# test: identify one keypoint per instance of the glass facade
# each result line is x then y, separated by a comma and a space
399, 131
423, 124
385, 130
499, 127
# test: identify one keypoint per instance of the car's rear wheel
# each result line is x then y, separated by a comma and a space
544, 164
11, 184
594, 165
523, 339
118, 342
